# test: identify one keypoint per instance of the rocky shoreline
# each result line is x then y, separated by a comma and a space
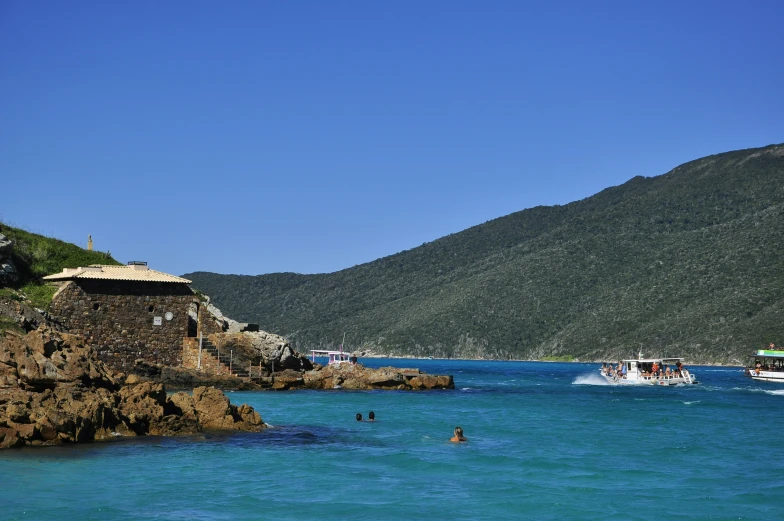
344, 376
54, 390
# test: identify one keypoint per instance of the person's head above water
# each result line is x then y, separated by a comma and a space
458, 435
359, 417
371, 416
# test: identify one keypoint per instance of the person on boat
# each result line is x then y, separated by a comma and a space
371, 416
678, 368
458, 437
668, 371
758, 366
655, 369
772, 346
359, 417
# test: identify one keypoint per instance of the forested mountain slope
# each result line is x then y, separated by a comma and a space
687, 263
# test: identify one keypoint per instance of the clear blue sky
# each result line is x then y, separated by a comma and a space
258, 137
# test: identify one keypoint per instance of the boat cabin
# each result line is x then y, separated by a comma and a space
333, 357
766, 365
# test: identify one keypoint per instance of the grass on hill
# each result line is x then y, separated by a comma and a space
36, 256
9, 324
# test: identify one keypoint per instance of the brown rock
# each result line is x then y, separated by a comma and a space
9, 438
349, 376
288, 379
216, 412
62, 393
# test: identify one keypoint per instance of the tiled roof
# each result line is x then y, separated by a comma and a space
134, 273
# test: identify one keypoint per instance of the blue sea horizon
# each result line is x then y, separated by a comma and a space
547, 440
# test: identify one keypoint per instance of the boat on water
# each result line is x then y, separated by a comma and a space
334, 357
766, 365
648, 371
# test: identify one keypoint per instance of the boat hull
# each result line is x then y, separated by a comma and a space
663, 381
765, 376
648, 371
649, 381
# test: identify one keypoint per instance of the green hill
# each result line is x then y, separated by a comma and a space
36, 256
687, 263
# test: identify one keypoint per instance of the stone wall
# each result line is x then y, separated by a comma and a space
126, 320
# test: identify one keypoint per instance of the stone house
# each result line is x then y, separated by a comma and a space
127, 313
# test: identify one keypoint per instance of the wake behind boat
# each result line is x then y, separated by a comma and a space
648, 371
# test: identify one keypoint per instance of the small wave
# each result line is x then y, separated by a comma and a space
778, 392
754, 390
466, 388
692, 402
590, 379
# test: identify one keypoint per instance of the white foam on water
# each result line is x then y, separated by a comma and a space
690, 403
590, 379
777, 392
757, 390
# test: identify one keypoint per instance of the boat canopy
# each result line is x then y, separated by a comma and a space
335, 357
769, 353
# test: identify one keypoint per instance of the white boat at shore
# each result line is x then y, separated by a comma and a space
648, 371
766, 365
334, 357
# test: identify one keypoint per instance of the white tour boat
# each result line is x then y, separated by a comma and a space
648, 371
766, 365
334, 357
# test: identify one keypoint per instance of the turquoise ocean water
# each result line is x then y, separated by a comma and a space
547, 441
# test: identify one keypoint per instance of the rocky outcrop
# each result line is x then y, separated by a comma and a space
357, 376
181, 378
8, 272
251, 349
53, 389
225, 324
345, 376
24, 316
272, 350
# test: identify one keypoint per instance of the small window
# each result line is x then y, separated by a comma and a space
96, 306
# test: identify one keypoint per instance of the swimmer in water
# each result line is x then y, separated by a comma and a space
458, 437
359, 417
371, 416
